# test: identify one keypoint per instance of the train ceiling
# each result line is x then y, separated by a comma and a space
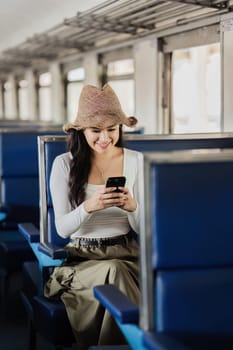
112, 23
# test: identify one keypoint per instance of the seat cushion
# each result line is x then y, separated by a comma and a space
13, 253
30, 271
51, 321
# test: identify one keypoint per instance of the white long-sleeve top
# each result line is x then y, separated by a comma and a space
109, 222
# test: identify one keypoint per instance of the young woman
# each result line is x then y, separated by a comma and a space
100, 222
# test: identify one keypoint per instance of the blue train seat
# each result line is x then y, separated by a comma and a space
47, 317
186, 259
19, 194
48, 148
19, 177
148, 143
19, 174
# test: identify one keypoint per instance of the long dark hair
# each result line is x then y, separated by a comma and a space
80, 164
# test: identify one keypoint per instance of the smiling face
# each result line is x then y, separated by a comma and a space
104, 138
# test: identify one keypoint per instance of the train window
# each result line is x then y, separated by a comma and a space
75, 78
196, 89
125, 91
121, 67
76, 74
23, 99
45, 81
120, 75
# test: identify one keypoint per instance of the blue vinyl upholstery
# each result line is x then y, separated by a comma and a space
122, 309
195, 300
186, 263
19, 193
42, 312
19, 165
148, 143
202, 192
48, 317
191, 238
19, 153
19, 174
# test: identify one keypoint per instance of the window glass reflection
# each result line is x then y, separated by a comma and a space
196, 89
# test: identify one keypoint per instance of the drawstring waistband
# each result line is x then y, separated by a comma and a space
104, 242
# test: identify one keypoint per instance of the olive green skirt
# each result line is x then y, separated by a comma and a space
73, 282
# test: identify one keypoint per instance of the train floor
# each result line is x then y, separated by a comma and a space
13, 321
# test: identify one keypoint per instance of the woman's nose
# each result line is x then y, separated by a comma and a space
104, 135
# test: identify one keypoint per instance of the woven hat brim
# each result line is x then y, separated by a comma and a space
128, 121
67, 127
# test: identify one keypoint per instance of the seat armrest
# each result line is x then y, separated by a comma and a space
2, 216
30, 232
119, 306
53, 251
3, 212
161, 341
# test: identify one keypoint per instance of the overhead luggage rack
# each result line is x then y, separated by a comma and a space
110, 23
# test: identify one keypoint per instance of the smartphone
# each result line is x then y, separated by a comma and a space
116, 181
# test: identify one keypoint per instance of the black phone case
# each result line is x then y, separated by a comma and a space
117, 181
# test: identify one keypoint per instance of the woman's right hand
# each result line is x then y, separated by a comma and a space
104, 197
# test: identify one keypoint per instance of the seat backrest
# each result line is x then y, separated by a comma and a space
148, 143
19, 190
48, 148
186, 241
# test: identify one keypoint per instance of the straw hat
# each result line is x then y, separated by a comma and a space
96, 106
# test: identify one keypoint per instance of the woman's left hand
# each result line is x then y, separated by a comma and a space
129, 202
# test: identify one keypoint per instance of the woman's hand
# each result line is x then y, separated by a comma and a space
106, 198
129, 203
